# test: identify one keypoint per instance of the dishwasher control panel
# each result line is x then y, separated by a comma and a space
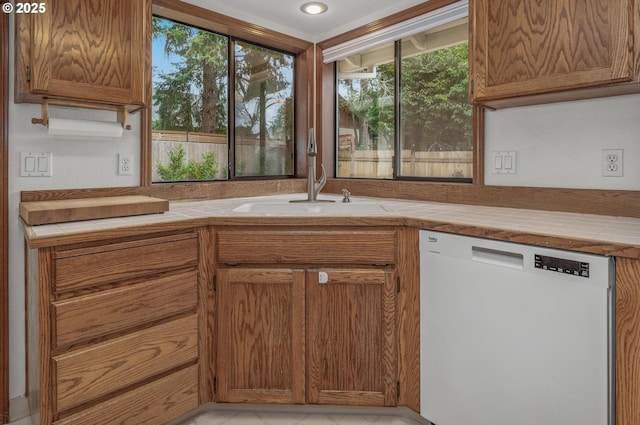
562, 265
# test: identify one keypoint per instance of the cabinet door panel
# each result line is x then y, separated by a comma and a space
92, 50
523, 47
260, 335
351, 337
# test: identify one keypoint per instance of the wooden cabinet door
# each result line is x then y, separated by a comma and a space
260, 336
525, 47
351, 337
91, 50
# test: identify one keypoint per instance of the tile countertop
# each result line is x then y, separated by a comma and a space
609, 235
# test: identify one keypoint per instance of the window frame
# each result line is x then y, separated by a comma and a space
396, 165
327, 90
236, 29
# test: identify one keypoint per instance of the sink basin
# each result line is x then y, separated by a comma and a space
309, 208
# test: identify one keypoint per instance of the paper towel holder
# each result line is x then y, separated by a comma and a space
44, 119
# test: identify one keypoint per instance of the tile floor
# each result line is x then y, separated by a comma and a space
303, 415
293, 415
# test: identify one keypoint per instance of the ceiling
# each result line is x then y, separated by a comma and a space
285, 15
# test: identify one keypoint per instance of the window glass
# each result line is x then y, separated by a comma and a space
263, 111
366, 114
189, 129
415, 124
436, 136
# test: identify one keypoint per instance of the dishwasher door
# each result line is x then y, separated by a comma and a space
513, 334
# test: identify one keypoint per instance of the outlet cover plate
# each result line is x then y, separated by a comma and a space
125, 164
612, 163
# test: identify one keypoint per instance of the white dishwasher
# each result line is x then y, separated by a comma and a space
513, 334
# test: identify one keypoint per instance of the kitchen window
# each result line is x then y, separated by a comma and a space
402, 108
223, 108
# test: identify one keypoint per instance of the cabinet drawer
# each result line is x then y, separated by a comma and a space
84, 267
156, 403
87, 374
327, 246
98, 314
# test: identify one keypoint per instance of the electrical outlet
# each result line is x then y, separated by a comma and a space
125, 164
612, 163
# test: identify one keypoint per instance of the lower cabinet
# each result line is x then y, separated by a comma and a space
306, 333
114, 331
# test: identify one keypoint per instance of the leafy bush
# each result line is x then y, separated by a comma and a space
178, 170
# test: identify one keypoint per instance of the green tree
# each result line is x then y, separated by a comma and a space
436, 114
193, 97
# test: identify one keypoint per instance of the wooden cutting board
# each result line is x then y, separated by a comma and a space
61, 211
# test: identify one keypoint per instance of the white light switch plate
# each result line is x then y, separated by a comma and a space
504, 162
35, 164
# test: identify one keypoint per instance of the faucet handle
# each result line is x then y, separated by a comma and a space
346, 195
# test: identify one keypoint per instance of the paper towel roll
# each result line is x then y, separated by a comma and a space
68, 127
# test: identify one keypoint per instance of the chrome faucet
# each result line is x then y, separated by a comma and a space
314, 186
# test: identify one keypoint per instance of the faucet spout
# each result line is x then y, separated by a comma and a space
315, 186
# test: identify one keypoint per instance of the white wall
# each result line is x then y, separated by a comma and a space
77, 163
559, 145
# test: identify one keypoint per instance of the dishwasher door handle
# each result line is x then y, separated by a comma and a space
512, 260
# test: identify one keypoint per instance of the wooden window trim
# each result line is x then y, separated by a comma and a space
213, 21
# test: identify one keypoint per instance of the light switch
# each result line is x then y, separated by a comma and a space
35, 164
504, 162
43, 164
30, 164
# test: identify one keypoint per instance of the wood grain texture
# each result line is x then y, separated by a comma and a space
60, 211
261, 335
156, 403
409, 318
90, 373
4, 221
627, 341
97, 51
206, 312
307, 246
523, 47
123, 260
351, 337
40, 389
81, 318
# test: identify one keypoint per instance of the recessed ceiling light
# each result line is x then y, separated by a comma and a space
314, 8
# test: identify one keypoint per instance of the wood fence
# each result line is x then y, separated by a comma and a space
277, 156
379, 163
351, 162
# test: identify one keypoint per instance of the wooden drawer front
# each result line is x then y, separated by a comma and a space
102, 313
156, 403
328, 247
90, 373
78, 268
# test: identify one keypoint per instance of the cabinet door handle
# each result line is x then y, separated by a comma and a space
323, 277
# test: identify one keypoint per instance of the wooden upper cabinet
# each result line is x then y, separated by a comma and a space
95, 51
523, 48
